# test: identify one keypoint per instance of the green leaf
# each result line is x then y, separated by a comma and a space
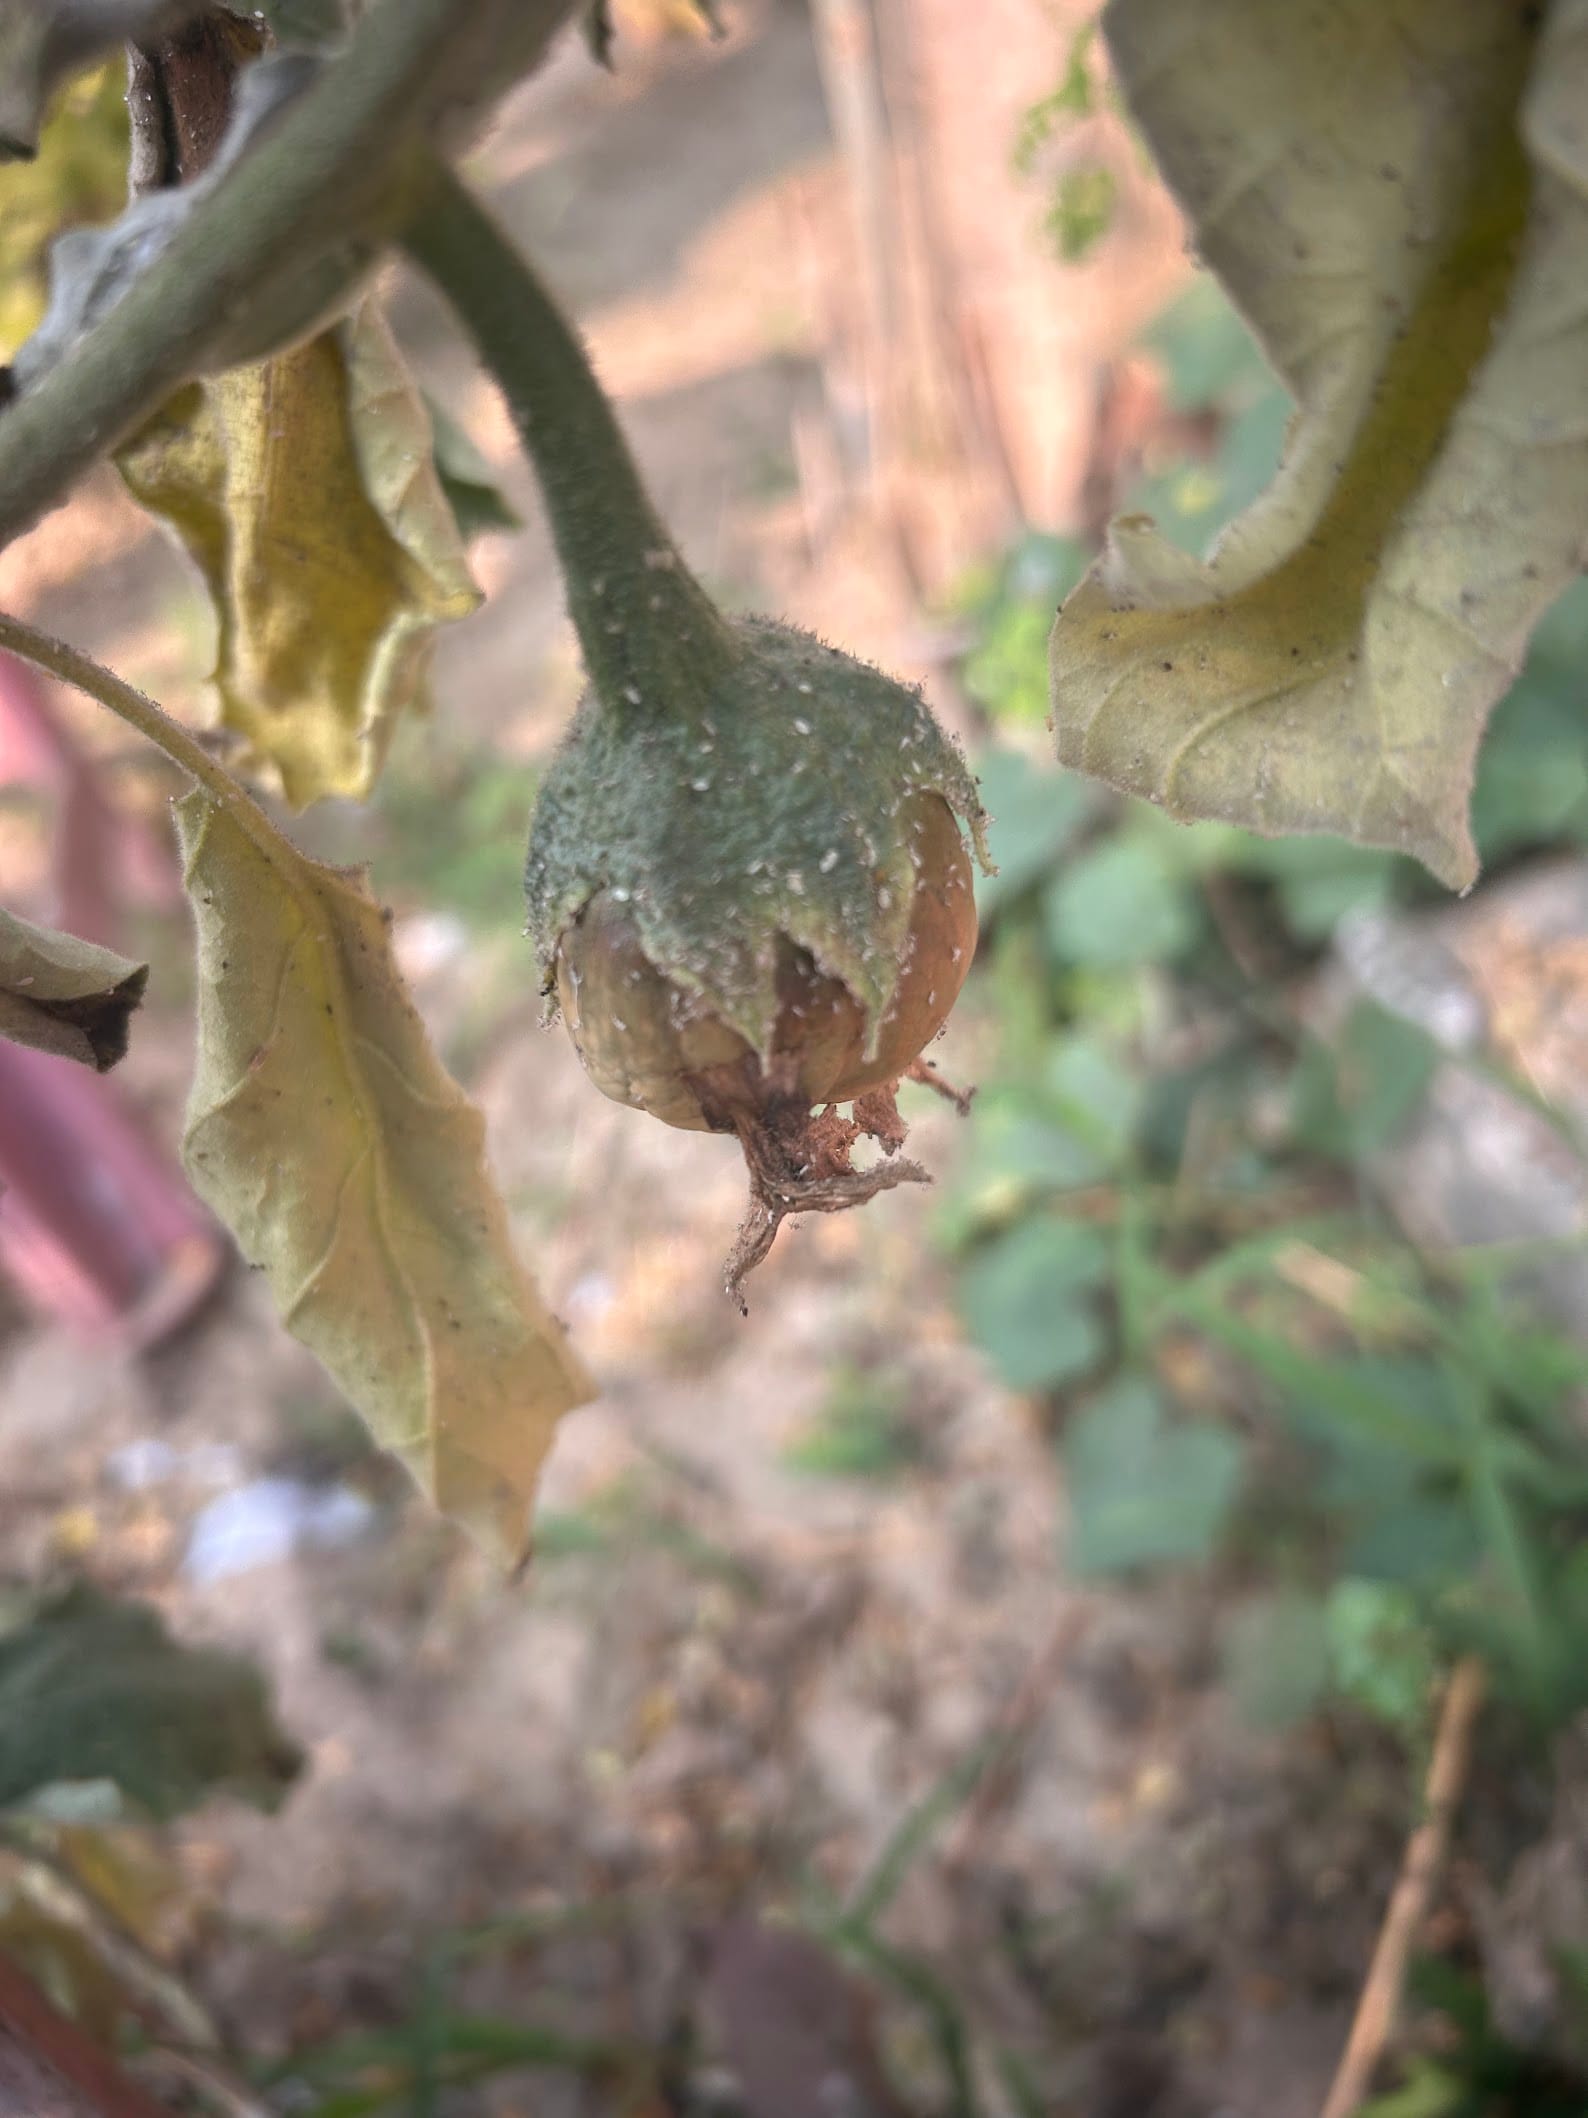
66, 996
861, 1431
1324, 880
1430, 2090
1195, 499
1026, 1298
1143, 1492
1532, 786
477, 502
1074, 97
94, 1689
303, 490
1007, 668
1082, 211
1404, 1533
1097, 1096
1381, 1653
1352, 1100
1033, 813
1119, 905
1018, 1151
1395, 192
1210, 360
349, 1165
1276, 1658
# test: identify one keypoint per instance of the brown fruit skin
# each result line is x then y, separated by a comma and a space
659, 1048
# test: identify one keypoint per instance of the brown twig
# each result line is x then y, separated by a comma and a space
925, 1075
1414, 1888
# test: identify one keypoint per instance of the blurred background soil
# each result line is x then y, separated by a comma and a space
759, 1632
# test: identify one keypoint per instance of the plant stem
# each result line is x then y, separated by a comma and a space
139, 711
649, 632
134, 707
1420, 1870
322, 191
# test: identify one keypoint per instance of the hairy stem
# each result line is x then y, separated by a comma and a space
71, 666
328, 183
650, 633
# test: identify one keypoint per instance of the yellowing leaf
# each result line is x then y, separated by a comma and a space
1395, 192
66, 996
80, 174
350, 1166
303, 488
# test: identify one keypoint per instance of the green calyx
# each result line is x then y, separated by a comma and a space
734, 783
766, 806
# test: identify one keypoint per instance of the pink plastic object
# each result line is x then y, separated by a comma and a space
96, 1226
100, 853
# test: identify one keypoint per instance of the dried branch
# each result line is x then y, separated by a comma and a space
1414, 1888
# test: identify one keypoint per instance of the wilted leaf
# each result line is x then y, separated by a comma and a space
349, 1165
1396, 194
93, 1689
66, 996
302, 486
79, 174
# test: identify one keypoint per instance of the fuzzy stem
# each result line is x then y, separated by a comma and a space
650, 633
327, 182
139, 711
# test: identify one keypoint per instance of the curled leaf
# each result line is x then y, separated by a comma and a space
1395, 192
304, 490
350, 1167
95, 1689
66, 996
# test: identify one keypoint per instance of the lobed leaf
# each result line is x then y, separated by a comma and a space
95, 1689
1395, 192
303, 488
350, 1166
66, 996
